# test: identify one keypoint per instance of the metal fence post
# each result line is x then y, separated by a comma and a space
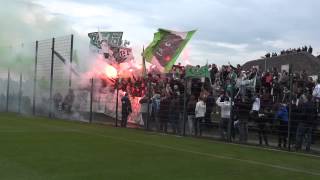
231, 115
8, 90
117, 102
91, 100
148, 102
290, 107
20, 93
71, 59
185, 106
35, 80
51, 78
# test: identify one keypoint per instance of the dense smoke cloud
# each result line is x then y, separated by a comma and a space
23, 22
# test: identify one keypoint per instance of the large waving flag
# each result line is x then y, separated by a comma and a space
166, 48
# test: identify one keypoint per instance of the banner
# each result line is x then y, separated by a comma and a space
122, 54
196, 72
166, 48
112, 38
110, 45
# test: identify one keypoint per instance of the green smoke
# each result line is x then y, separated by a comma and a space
23, 22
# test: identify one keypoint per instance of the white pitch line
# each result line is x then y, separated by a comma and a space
208, 154
33, 131
193, 152
264, 148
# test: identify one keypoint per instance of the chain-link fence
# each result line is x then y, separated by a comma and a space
3, 89
276, 125
181, 107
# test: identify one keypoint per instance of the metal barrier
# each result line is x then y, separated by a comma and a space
54, 92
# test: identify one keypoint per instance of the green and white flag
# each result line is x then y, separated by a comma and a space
166, 48
112, 38
195, 72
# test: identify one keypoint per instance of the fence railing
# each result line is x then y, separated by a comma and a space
54, 91
173, 115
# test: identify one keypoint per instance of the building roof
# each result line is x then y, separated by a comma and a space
299, 61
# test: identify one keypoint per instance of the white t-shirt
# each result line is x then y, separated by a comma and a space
316, 91
256, 104
200, 109
225, 108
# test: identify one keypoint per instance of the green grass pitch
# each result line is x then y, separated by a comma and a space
39, 148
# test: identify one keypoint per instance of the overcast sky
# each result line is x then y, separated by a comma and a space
227, 30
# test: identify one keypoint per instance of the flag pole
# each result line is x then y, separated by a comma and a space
148, 89
144, 70
207, 73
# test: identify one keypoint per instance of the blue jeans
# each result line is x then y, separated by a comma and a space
225, 128
303, 130
243, 131
174, 120
197, 126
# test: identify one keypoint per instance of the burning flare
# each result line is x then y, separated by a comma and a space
111, 72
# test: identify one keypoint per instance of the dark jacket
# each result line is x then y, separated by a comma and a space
191, 107
174, 109
308, 113
126, 105
295, 115
210, 104
164, 109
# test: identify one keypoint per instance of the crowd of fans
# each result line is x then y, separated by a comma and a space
232, 99
252, 99
291, 51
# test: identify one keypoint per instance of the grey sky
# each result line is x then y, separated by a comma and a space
228, 30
